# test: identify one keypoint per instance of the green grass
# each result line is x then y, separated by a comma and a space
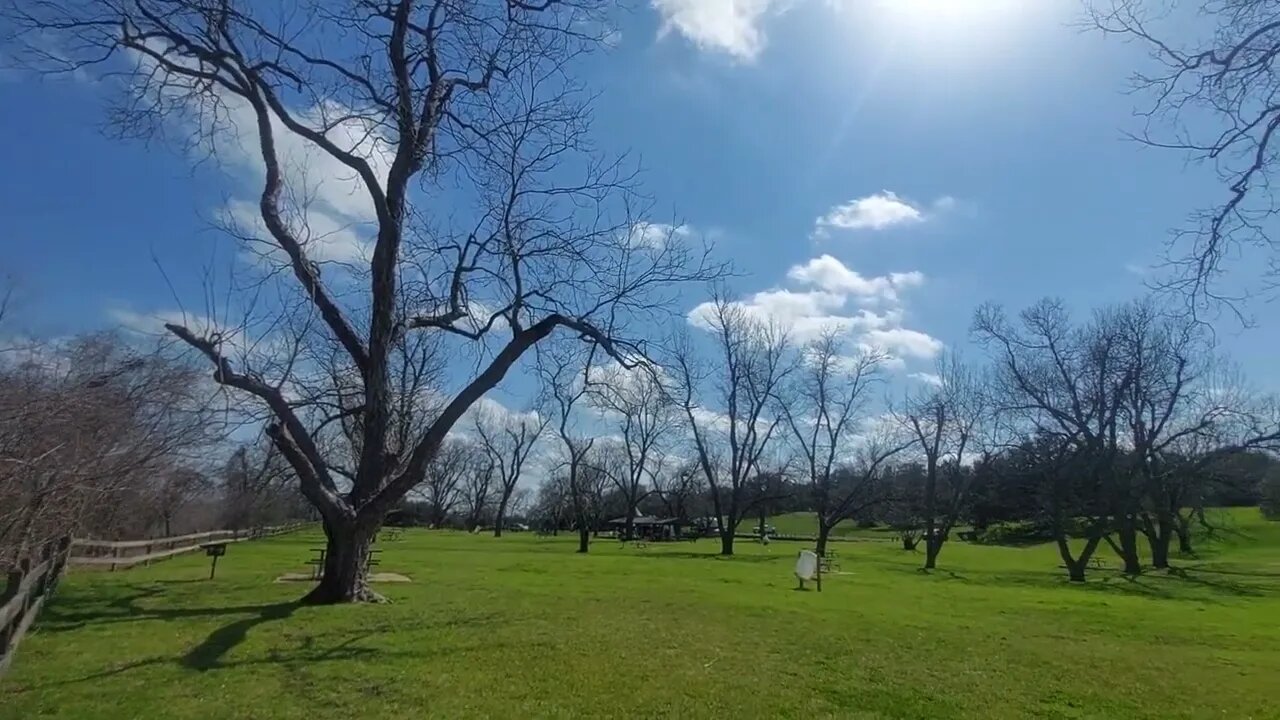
522, 627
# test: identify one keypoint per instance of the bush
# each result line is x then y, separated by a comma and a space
1270, 487
1024, 532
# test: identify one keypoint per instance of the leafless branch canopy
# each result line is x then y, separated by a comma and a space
479, 208
1212, 97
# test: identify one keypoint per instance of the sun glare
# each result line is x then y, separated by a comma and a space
952, 10
949, 27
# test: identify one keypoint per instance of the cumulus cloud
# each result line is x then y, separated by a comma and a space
878, 211
832, 276
821, 302
731, 27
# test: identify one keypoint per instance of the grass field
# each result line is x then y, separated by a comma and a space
522, 627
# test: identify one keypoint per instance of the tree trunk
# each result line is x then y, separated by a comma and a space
824, 532
1184, 536
502, 517
346, 565
932, 546
584, 537
1076, 567
726, 541
1128, 548
909, 542
1160, 547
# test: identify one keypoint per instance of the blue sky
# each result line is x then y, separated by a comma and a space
911, 159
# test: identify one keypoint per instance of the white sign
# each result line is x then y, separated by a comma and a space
807, 565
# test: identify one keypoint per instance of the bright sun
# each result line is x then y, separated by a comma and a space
944, 27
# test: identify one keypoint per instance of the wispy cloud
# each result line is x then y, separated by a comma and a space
730, 27
657, 235
926, 378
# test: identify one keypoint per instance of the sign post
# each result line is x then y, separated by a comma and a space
215, 551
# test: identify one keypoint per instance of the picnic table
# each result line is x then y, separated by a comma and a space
317, 561
828, 562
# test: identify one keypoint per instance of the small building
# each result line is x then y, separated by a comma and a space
648, 527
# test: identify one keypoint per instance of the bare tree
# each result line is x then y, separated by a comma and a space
507, 440
442, 489
825, 407
478, 489
86, 428
433, 90
681, 487
642, 410
564, 371
752, 360
258, 487
1211, 96
1067, 383
944, 421
174, 490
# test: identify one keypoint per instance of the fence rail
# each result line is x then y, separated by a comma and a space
127, 553
25, 592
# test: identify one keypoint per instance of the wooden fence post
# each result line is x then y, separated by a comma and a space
12, 583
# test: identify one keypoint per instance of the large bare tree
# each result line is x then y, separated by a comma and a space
487, 216
729, 402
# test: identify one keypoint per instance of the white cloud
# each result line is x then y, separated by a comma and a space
325, 201
732, 27
833, 276
879, 211
325, 237
822, 303
873, 212
901, 341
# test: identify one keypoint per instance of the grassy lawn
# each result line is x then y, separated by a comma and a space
523, 627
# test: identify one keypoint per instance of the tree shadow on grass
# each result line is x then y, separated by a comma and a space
1226, 585
208, 654
72, 614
